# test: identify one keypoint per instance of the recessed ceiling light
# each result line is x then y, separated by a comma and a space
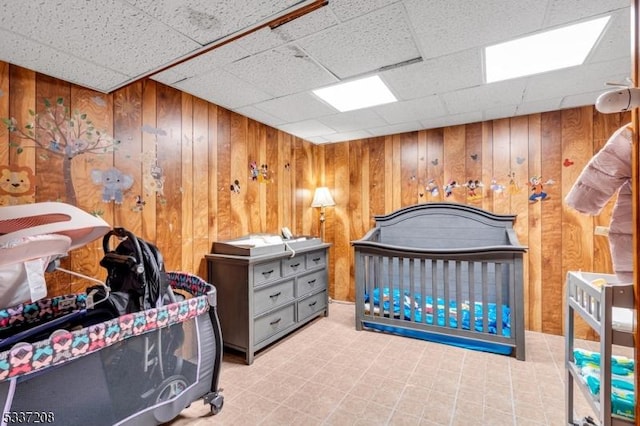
357, 94
551, 50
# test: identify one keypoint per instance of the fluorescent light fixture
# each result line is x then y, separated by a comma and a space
551, 50
356, 94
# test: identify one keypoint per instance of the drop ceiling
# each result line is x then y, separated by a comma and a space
430, 54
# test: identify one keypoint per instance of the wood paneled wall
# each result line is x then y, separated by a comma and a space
379, 175
202, 150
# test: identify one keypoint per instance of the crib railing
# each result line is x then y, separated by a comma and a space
475, 294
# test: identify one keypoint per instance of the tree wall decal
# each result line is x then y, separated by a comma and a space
61, 133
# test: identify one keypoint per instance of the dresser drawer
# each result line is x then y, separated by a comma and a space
273, 323
293, 265
272, 296
311, 305
315, 259
311, 283
265, 272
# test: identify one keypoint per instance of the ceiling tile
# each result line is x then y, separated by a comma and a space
307, 128
563, 11
393, 129
415, 109
580, 99
298, 107
364, 44
349, 9
110, 33
281, 71
452, 120
542, 105
206, 21
306, 25
435, 76
259, 115
202, 64
500, 111
484, 97
347, 136
32, 55
445, 27
575, 80
615, 42
222, 88
353, 120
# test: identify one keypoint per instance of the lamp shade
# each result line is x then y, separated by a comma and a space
322, 198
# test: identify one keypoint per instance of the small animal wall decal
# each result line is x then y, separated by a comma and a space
114, 184
473, 189
260, 174
567, 162
474, 157
235, 187
513, 187
448, 188
17, 185
140, 203
520, 160
496, 187
537, 192
434, 161
432, 188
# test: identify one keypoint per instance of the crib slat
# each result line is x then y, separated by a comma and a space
412, 289
434, 292
459, 301
498, 278
472, 296
423, 289
445, 296
485, 305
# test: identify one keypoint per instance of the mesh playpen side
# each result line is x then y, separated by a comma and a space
140, 368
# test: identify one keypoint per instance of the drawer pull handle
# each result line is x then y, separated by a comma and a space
311, 305
275, 295
265, 273
312, 282
316, 259
275, 321
295, 265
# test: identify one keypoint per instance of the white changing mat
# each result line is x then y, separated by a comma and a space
623, 319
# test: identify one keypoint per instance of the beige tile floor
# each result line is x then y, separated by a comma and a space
328, 373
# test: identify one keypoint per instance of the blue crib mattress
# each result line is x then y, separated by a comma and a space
443, 318
426, 312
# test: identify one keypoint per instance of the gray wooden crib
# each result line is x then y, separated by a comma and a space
445, 272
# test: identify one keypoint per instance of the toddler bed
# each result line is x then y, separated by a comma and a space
444, 272
607, 380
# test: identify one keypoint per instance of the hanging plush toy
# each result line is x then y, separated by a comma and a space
608, 173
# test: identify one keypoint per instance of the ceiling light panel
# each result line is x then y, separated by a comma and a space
547, 51
356, 94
